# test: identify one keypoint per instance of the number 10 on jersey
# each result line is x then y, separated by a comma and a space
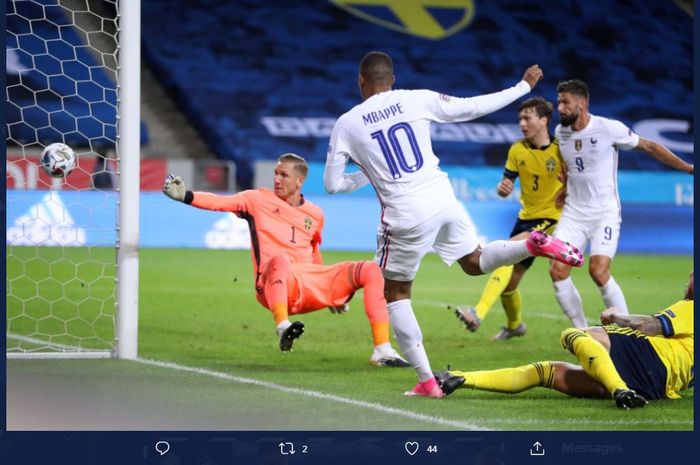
394, 153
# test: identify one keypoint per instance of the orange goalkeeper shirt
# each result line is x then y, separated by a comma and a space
276, 227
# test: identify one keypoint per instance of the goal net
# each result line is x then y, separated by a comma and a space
62, 240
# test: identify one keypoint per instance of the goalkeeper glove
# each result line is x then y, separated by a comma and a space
340, 309
174, 187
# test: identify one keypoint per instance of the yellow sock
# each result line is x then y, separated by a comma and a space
512, 303
593, 357
380, 332
494, 287
509, 380
279, 313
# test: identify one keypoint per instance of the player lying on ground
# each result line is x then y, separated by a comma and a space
388, 136
290, 278
536, 160
634, 358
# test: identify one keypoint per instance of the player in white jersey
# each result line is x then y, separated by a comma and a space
388, 136
589, 145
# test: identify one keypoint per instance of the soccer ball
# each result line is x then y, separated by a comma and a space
58, 160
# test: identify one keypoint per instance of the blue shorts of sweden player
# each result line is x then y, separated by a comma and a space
638, 365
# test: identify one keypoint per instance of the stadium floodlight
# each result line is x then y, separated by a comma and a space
73, 71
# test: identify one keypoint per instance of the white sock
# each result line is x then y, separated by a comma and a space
383, 348
613, 296
570, 302
500, 253
409, 337
284, 324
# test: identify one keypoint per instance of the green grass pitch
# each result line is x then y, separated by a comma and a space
197, 310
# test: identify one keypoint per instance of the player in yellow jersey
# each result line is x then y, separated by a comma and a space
290, 277
633, 358
535, 159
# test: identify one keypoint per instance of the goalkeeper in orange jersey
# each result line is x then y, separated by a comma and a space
290, 278
633, 358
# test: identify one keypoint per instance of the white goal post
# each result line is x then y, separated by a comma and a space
72, 247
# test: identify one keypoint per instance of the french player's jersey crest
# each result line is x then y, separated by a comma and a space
578, 143
414, 17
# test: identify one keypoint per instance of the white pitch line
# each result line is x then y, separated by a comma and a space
59, 350
371, 405
42, 342
463, 425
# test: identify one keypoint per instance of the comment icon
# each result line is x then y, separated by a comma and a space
162, 447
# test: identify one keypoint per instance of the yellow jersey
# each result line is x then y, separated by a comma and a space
675, 347
538, 169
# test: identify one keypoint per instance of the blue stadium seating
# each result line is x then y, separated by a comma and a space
61, 93
231, 64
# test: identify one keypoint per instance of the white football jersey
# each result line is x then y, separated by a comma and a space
388, 136
591, 161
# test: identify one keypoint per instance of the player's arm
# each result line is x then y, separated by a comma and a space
560, 198
451, 109
316, 256
664, 155
649, 325
505, 187
335, 179
676, 320
340, 309
174, 187
510, 173
344, 308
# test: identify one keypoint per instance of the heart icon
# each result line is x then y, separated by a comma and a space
411, 447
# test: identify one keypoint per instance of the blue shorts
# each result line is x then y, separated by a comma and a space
638, 364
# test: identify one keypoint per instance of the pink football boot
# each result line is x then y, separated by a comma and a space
543, 245
427, 388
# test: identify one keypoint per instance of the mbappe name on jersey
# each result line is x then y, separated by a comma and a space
385, 113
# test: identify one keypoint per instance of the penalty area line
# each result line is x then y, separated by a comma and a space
463, 425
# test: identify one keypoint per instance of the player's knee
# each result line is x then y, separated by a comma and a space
600, 273
569, 337
276, 264
370, 273
599, 335
277, 259
397, 290
559, 271
470, 263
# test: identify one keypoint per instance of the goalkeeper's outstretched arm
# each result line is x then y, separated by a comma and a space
174, 187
